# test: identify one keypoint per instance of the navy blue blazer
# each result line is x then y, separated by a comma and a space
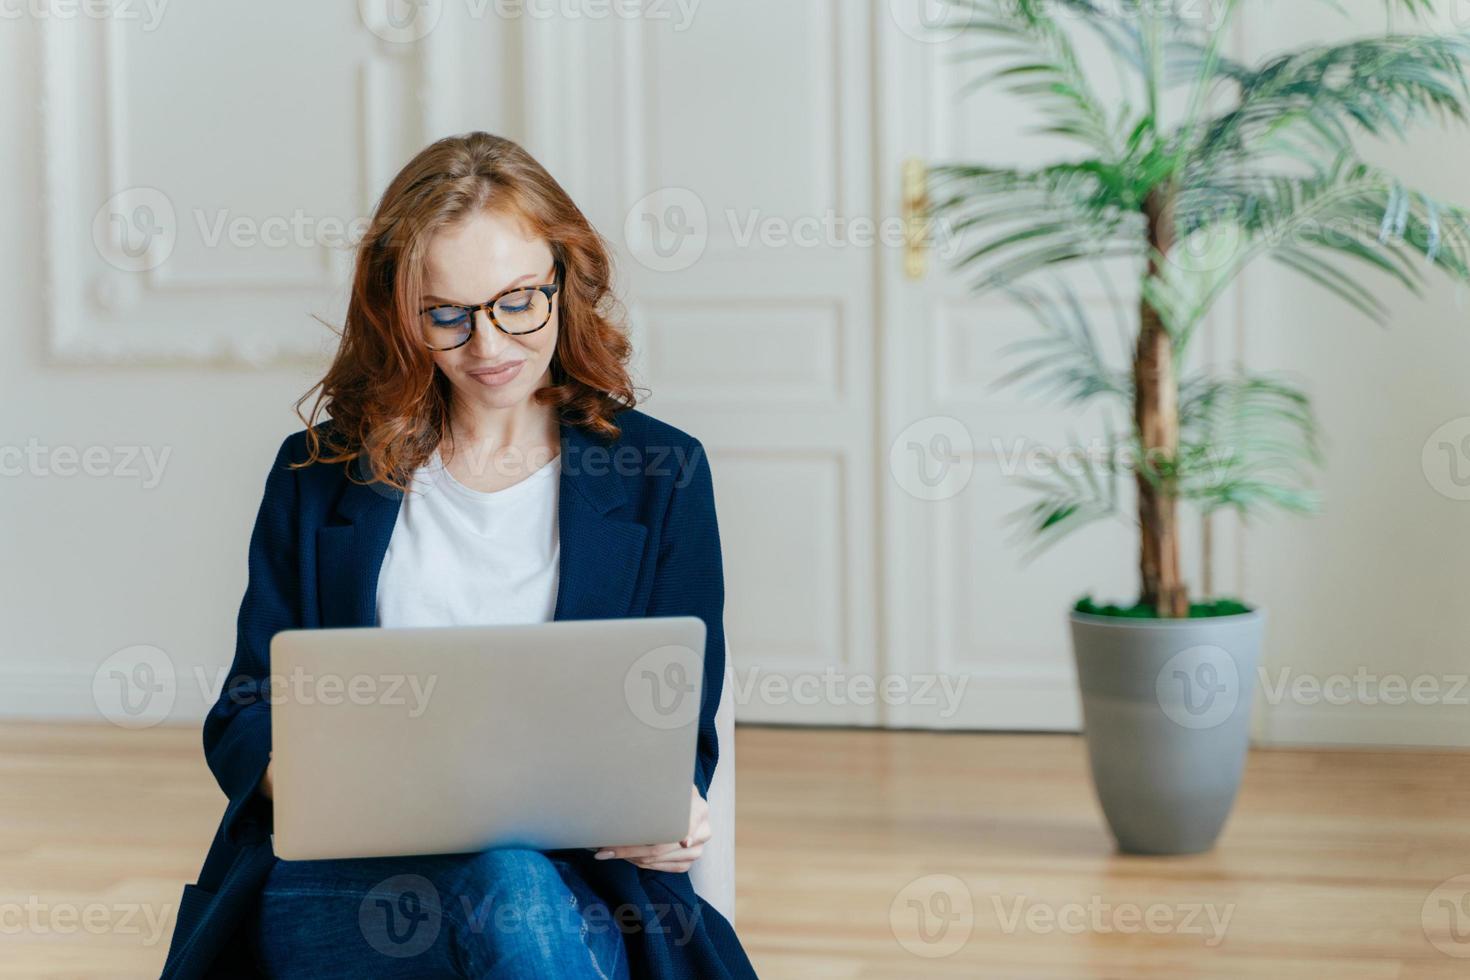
638, 538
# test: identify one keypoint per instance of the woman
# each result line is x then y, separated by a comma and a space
483, 463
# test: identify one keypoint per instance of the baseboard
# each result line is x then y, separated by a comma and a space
1383, 725
27, 695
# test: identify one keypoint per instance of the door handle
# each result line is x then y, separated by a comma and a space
916, 219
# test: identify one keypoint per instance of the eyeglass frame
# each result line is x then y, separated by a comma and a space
549, 290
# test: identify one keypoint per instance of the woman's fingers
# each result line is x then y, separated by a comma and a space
629, 851
680, 860
656, 857
685, 854
698, 835
677, 856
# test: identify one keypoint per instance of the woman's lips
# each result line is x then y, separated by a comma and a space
499, 376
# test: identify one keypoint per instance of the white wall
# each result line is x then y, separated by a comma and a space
1374, 588
95, 565
98, 564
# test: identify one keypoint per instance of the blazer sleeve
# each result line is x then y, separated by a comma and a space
237, 732
690, 581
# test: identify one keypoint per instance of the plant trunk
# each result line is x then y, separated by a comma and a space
1156, 407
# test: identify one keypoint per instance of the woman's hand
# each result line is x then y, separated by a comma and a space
678, 856
265, 781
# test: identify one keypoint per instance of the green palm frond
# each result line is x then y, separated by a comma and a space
1377, 86
1349, 216
1253, 161
1245, 442
1076, 489
1037, 59
1062, 360
1041, 218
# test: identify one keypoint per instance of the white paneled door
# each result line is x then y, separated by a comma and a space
721, 153
964, 596
746, 160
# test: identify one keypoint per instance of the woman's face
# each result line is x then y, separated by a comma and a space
469, 263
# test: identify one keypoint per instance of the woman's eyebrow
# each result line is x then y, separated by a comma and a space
431, 297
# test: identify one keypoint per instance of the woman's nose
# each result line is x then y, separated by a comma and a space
488, 341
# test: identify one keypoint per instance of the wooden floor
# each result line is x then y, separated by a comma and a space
861, 854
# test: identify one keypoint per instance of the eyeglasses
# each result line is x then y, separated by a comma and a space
516, 311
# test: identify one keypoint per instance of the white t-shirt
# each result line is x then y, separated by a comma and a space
463, 557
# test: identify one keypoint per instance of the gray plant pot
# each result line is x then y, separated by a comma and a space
1166, 705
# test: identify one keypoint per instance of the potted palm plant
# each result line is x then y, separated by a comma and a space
1204, 165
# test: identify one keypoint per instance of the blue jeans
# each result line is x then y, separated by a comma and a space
503, 913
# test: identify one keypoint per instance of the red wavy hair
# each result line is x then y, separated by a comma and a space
387, 401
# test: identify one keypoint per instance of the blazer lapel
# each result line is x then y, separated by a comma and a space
350, 555
600, 555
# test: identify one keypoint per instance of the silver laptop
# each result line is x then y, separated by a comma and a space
444, 740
